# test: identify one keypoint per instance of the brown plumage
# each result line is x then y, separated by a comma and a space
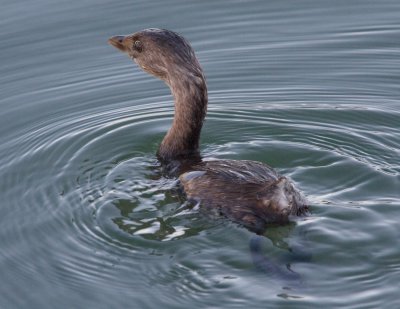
247, 192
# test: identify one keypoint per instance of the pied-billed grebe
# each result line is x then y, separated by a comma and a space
248, 192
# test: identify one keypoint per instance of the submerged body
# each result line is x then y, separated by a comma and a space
248, 192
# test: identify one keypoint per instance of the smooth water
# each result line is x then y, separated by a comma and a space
309, 87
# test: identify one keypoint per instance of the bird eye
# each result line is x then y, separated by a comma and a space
138, 46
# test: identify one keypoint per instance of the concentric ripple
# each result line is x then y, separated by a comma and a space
99, 203
100, 193
89, 221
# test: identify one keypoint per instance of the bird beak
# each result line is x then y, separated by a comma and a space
118, 42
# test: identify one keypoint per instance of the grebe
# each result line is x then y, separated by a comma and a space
248, 192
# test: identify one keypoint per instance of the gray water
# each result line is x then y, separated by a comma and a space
309, 87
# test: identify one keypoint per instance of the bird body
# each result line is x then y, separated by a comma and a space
248, 192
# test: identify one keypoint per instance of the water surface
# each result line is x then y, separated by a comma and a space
309, 87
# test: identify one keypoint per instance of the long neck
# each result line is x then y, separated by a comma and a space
190, 95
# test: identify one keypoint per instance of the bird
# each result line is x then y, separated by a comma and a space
250, 193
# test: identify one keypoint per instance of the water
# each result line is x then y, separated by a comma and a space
309, 87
